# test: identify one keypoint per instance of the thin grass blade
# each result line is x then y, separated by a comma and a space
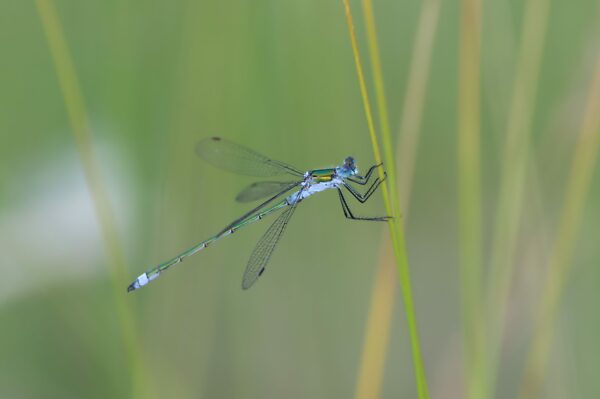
391, 204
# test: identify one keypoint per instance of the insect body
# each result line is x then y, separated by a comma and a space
236, 158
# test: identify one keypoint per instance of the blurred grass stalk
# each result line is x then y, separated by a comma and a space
560, 261
377, 334
469, 198
513, 175
69, 85
390, 197
381, 306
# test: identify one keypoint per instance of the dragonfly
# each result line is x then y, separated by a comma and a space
280, 196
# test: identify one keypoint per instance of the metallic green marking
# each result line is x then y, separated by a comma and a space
322, 175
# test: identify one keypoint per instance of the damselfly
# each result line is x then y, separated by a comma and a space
239, 159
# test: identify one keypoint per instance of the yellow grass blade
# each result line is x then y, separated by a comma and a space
381, 307
379, 320
469, 189
514, 172
414, 100
391, 204
560, 262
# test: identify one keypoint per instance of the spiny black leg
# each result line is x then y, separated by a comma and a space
358, 179
371, 169
344, 204
364, 180
362, 198
348, 214
370, 190
361, 182
374, 186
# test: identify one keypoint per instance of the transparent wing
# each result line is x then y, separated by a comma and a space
263, 189
264, 249
256, 209
236, 158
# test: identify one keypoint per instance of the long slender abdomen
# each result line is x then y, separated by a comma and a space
153, 273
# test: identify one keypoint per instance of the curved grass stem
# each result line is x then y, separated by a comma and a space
560, 261
69, 85
390, 198
378, 327
381, 306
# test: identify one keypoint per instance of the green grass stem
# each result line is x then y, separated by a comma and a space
69, 85
381, 306
378, 327
514, 163
469, 191
390, 197
414, 99
560, 262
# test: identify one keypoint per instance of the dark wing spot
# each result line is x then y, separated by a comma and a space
261, 272
215, 138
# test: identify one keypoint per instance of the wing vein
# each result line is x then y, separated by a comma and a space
236, 158
265, 247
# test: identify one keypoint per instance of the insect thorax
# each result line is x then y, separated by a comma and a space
322, 175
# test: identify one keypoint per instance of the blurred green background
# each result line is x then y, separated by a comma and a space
279, 77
